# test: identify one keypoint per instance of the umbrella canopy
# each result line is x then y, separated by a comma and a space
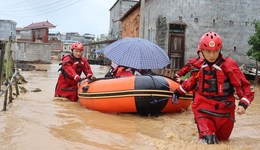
99, 51
137, 53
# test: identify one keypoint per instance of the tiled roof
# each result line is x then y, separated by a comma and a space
19, 28
45, 24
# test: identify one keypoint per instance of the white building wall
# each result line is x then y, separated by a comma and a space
7, 29
233, 22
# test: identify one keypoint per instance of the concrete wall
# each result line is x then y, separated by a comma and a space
232, 20
116, 12
28, 51
25, 35
7, 28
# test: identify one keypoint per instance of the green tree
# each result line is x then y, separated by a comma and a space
254, 52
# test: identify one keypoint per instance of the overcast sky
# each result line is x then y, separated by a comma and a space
83, 16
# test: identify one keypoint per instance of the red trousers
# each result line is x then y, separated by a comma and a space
214, 117
67, 88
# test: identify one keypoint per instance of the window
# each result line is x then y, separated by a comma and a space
180, 18
196, 20
231, 22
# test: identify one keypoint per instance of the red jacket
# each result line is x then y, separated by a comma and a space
193, 65
123, 72
71, 70
228, 69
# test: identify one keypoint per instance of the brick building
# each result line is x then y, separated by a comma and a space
117, 11
131, 22
39, 31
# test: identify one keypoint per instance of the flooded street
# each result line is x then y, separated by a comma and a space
35, 121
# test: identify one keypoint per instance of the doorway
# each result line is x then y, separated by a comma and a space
176, 47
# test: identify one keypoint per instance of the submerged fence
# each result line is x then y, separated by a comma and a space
8, 72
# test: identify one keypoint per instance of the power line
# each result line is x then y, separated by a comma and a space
41, 9
29, 6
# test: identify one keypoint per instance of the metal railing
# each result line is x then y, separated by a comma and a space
8, 72
8, 86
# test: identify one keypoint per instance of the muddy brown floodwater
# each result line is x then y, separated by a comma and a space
35, 122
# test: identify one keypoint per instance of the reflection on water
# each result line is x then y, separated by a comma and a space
34, 121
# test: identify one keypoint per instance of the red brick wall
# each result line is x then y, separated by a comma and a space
40, 35
130, 24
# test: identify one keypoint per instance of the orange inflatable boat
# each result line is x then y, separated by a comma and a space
144, 95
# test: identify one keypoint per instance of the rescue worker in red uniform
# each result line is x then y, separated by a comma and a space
192, 66
71, 69
214, 102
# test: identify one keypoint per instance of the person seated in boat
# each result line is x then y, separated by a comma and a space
71, 69
123, 71
111, 72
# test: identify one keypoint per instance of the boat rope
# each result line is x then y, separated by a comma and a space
155, 101
174, 100
161, 82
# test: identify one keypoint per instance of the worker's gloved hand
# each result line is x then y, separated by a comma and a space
90, 76
93, 78
81, 79
175, 97
181, 81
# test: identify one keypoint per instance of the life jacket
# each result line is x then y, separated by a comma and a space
77, 65
213, 83
124, 72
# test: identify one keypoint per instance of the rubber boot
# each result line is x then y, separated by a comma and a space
209, 139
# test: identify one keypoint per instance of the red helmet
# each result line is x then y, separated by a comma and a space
77, 45
210, 41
